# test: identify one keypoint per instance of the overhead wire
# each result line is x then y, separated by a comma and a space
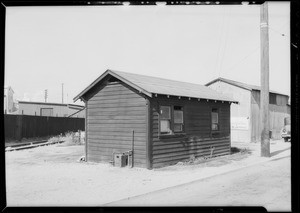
219, 46
226, 41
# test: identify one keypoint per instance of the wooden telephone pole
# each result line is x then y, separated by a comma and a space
62, 93
264, 92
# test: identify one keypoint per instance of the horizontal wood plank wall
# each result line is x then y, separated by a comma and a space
114, 111
198, 137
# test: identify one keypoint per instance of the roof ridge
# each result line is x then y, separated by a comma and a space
150, 85
157, 77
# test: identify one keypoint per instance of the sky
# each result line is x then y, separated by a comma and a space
46, 47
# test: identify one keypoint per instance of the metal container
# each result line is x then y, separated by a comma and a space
120, 160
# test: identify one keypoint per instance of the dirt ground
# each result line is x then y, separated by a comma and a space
52, 176
243, 187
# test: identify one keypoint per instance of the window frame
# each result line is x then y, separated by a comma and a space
47, 108
273, 98
163, 119
211, 123
173, 113
172, 120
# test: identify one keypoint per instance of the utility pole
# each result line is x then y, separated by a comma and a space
264, 80
62, 93
46, 95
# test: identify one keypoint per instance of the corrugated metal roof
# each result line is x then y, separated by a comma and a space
152, 85
240, 84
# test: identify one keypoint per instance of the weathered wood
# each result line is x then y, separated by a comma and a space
264, 97
188, 148
117, 109
29, 126
197, 126
109, 97
114, 117
114, 112
117, 137
86, 131
174, 161
148, 139
105, 143
116, 103
115, 133
186, 156
188, 144
114, 121
118, 125
124, 131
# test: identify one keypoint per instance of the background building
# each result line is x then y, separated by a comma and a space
50, 109
9, 106
245, 119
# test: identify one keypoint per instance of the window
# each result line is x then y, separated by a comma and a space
178, 119
272, 98
171, 119
214, 119
46, 111
165, 120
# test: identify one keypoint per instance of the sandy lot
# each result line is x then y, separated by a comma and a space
243, 187
51, 175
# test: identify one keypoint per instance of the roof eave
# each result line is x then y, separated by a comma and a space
116, 76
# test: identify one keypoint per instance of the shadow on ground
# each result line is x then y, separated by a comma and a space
279, 151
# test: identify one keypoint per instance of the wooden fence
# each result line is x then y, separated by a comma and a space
17, 127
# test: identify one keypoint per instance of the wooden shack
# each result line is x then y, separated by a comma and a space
168, 121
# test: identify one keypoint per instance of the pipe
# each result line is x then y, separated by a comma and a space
132, 159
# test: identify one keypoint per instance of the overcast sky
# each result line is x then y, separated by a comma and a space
48, 46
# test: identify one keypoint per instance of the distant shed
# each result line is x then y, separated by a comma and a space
245, 118
172, 121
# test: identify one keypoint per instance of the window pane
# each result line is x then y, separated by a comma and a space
165, 112
214, 110
177, 127
165, 126
178, 116
214, 127
214, 117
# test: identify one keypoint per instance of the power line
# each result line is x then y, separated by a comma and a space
253, 51
225, 45
219, 46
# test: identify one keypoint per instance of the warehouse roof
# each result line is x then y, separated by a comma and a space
158, 86
241, 85
74, 106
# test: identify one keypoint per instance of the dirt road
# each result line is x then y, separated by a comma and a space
267, 184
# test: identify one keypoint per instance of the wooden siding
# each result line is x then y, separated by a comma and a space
114, 111
237, 111
197, 138
277, 113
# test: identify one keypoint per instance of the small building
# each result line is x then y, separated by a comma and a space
245, 119
166, 121
9, 105
50, 109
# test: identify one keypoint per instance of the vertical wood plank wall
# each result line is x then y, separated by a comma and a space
114, 111
198, 136
277, 113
